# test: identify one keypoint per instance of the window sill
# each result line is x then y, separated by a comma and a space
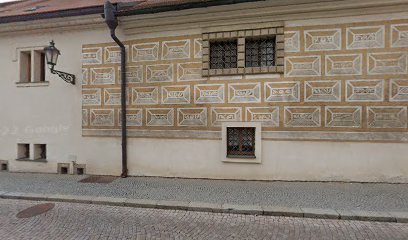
32, 84
242, 71
40, 160
251, 160
241, 156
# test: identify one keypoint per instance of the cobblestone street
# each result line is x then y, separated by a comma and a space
82, 221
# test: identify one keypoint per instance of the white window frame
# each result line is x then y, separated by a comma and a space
35, 66
258, 142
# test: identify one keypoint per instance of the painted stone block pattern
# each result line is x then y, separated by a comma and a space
134, 117
399, 90
302, 117
282, 91
365, 37
269, 116
319, 40
192, 117
339, 65
365, 90
345, 77
343, 117
322, 91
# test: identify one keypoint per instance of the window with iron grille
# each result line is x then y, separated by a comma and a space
223, 54
245, 51
260, 52
241, 142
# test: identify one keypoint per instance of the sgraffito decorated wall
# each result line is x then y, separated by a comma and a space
343, 78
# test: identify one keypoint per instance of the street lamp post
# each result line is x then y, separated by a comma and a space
51, 54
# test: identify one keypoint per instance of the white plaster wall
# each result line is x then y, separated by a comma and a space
281, 160
51, 114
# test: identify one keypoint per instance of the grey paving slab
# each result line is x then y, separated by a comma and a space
282, 211
109, 201
141, 203
366, 216
242, 209
178, 205
71, 198
205, 207
34, 196
346, 214
401, 217
13, 195
320, 213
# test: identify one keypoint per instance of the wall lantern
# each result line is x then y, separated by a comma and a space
52, 53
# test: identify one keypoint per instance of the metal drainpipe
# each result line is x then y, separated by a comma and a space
111, 21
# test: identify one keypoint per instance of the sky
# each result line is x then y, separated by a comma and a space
2, 1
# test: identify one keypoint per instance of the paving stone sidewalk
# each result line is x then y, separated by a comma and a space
304, 199
73, 221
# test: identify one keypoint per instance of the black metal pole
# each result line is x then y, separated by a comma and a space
123, 102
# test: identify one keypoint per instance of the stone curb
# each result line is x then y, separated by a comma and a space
400, 217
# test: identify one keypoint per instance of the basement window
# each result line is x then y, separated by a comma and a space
63, 168
23, 151
3, 166
241, 142
40, 151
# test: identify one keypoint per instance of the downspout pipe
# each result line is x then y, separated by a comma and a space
112, 22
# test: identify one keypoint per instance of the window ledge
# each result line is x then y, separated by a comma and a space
32, 84
231, 159
241, 156
40, 160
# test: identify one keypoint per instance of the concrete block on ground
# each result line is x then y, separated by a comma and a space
366, 215
35, 196
111, 201
205, 207
176, 205
13, 195
346, 214
242, 209
400, 217
282, 211
141, 203
71, 198
320, 213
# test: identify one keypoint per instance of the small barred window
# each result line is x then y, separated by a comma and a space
223, 54
241, 142
260, 52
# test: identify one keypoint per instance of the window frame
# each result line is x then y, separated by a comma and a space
259, 51
257, 159
32, 71
241, 153
276, 32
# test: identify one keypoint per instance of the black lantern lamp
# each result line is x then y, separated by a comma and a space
52, 53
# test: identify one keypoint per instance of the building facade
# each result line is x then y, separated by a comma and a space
260, 90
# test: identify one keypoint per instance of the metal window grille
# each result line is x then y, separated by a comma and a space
260, 52
241, 142
223, 54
